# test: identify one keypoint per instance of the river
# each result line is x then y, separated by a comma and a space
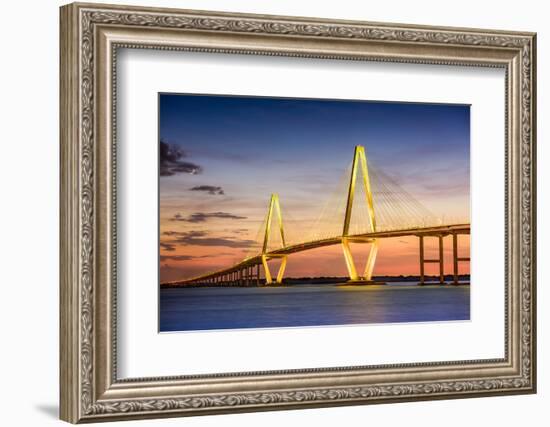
309, 305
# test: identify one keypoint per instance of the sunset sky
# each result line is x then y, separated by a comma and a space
221, 157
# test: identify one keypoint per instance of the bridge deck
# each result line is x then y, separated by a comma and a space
441, 230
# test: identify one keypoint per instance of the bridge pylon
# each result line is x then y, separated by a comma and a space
359, 166
274, 207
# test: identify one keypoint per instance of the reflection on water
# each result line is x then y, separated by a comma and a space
309, 305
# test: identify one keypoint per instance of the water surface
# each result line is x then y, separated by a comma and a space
309, 305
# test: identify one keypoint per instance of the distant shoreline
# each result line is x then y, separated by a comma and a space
326, 280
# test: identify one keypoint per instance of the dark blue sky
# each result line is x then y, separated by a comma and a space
318, 131
239, 139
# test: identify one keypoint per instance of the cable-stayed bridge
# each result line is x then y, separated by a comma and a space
366, 206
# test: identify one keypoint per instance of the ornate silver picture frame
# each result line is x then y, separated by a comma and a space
91, 35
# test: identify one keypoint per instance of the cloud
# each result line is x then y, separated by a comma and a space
194, 233
170, 233
171, 163
217, 241
202, 238
210, 189
168, 247
177, 257
177, 217
204, 216
188, 257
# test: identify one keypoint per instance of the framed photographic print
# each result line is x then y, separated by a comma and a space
265, 212
216, 239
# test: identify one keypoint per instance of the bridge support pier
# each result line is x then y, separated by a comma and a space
438, 260
441, 267
456, 259
421, 251
371, 260
350, 263
280, 274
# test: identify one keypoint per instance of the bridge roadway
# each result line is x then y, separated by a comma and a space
242, 272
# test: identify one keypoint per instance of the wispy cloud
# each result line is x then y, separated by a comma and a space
202, 238
205, 216
171, 163
210, 189
188, 257
168, 247
177, 257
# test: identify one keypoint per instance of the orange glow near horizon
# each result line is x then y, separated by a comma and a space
396, 256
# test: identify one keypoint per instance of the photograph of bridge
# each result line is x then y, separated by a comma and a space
288, 212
